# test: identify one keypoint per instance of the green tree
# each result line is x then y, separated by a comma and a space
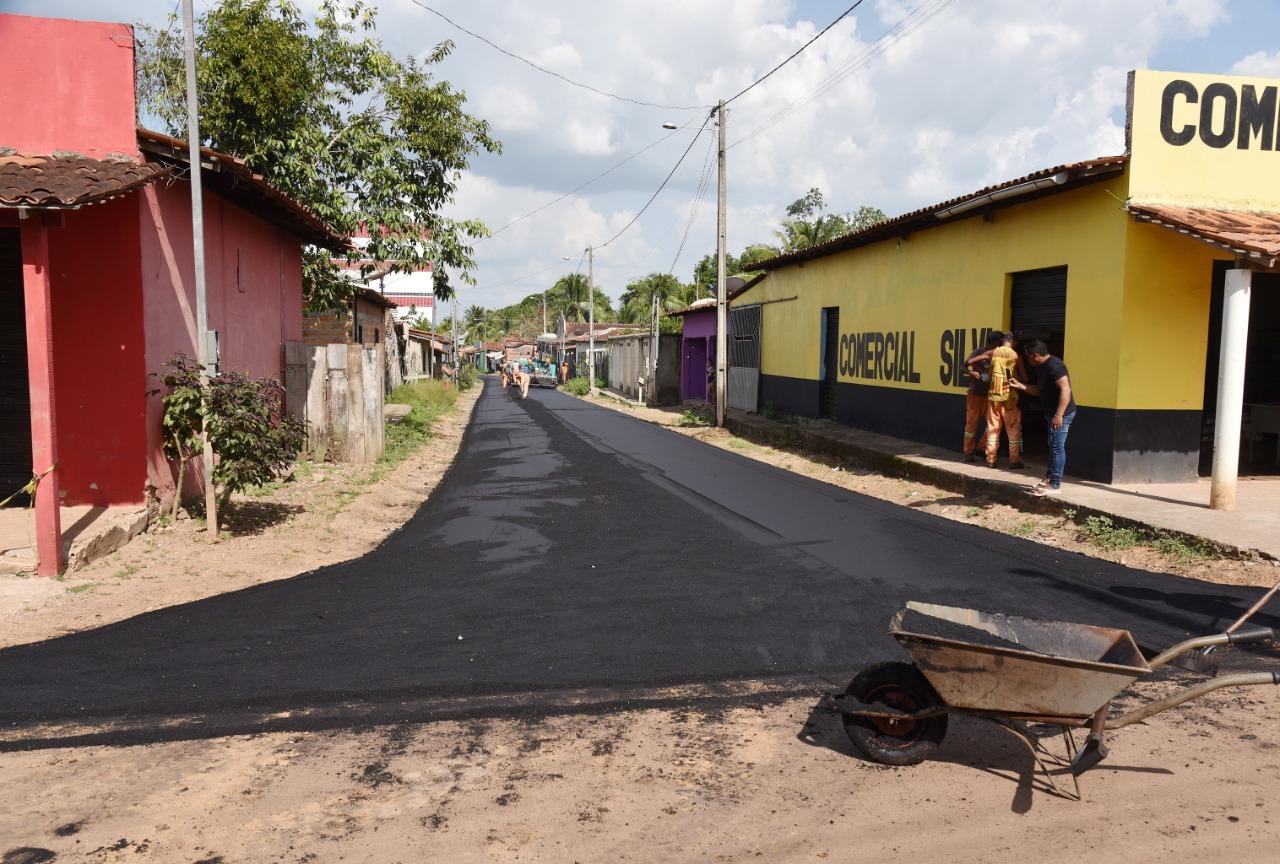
477, 318
808, 223
330, 117
637, 298
570, 295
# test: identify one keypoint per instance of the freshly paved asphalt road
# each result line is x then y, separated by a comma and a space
573, 546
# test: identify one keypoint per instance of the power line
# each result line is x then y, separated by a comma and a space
794, 55
657, 191
553, 73
870, 53
657, 241
699, 194
584, 184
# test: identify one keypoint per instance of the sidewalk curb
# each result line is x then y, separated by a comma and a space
791, 437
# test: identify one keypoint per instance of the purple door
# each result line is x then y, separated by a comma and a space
695, 369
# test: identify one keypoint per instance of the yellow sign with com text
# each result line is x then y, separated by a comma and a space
1199, 140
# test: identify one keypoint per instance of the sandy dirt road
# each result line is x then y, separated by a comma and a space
776, 782
765, 776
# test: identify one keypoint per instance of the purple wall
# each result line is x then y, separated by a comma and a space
700, 323
699, 342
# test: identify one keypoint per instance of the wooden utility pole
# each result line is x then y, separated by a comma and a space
722, 303
206, 342
591, 317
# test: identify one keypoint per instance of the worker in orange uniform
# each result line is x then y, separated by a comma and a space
1002, 401
975, 400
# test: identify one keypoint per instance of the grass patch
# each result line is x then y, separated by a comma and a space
1107, 535
690, 417
576, 386
1025, 528
81, 589
973, 512
1185, 551
428, 401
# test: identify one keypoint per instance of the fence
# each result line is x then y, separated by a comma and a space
338, 391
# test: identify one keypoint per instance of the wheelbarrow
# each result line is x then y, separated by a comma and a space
1015, 671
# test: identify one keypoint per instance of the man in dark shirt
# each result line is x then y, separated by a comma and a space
1053, 385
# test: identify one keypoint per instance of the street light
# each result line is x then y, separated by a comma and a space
670, 125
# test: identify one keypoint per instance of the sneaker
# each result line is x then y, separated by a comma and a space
971, 458
1046, 491
1017, 466
991, 464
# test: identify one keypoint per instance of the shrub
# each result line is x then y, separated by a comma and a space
466, 377
690, 417
427, 401
253, 439
576, 386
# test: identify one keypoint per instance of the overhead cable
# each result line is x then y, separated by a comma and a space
585, 183
887, 40
704, 183
551, 72
657, 191
795, 54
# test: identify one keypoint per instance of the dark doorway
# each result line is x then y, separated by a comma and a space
1260, 426
15, 397
830, 362
1038, 310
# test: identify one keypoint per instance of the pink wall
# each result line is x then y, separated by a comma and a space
99, 365
68, 86
254, 285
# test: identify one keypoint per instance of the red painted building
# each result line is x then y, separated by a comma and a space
96, 271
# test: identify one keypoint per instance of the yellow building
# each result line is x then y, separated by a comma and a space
872, 328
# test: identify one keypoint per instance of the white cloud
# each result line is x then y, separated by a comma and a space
1259, 64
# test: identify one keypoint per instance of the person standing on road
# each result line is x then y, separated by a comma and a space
1053, 386
975, 400
1002, 401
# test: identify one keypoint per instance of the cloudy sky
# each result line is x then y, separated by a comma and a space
903, 103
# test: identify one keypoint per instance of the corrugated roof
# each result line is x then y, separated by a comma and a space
69, 180
1251, 235
1078, 173
232, 178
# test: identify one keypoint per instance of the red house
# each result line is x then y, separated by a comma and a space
96, 271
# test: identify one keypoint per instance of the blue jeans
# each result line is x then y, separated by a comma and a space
1058, 449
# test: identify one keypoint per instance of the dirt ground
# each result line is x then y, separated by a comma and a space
772, 783
777, 781
1049, 530
327, 513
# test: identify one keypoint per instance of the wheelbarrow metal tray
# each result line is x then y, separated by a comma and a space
1031, 668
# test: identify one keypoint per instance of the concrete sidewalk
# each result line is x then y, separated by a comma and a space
88, 533
1179, 508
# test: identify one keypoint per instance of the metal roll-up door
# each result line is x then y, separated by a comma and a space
1038, 310
744, 358
1038, 307
15, 397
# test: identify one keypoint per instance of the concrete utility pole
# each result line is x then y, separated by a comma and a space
1231, 358
591, 317
457, 353
206, 342
722, 303
544, 310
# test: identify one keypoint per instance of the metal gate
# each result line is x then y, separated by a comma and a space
1038, 310
15, 398
744, 358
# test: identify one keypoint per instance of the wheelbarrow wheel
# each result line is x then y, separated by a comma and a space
891, 741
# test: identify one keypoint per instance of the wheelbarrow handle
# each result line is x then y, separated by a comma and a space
1242, 679
1246, 635
1239, 637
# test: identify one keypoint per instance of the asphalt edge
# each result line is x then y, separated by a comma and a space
797, 438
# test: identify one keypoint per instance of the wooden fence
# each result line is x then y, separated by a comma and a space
338, 391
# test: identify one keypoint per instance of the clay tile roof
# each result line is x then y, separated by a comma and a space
1047, 181
229, 176
1253, 235
69, 180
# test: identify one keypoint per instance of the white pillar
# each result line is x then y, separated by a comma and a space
1231, 357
